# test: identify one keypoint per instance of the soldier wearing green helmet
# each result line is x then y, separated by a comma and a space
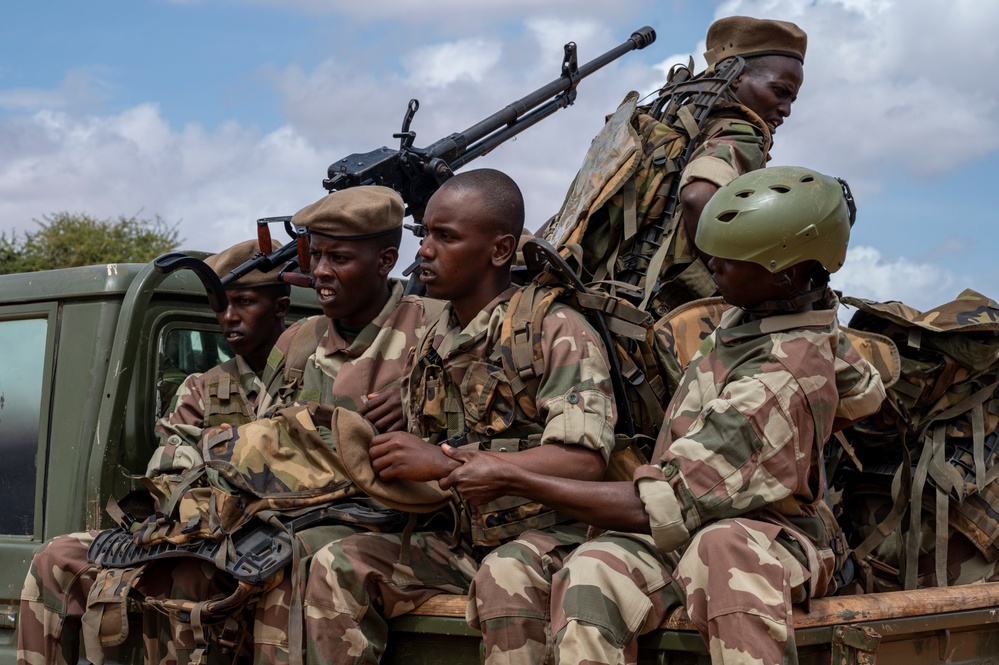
774, 235
729, 519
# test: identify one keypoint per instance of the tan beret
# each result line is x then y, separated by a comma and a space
746, 36
354, 213
229, 259
352, 436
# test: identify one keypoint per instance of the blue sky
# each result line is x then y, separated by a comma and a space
213, 113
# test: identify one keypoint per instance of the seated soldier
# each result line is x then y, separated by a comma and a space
365, 336
55, 591
730, 519
457, 391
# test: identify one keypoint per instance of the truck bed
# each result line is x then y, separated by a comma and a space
956, 625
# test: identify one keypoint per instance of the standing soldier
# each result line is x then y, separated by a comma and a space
730, 519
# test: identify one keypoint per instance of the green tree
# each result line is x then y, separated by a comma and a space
65, 240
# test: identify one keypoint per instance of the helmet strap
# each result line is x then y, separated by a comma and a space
790, 305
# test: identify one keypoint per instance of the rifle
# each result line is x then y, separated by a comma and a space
415, 173
292, 255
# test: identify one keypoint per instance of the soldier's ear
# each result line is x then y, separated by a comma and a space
282, 306
504, 250
387, 259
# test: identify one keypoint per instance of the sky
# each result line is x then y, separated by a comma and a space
213, 113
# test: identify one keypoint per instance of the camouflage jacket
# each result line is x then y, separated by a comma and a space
457, 387
344, 373
746, 429
734, 141
227, 393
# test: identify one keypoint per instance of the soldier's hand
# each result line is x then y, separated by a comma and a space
384, 410
402, 455
480, 478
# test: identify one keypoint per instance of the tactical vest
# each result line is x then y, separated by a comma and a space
481, 414
225, 400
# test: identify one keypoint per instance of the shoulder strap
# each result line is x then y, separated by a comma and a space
303, 346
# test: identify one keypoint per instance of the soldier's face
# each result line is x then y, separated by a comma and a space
458, 249
350, 278
743, 283
768, 86
252, 321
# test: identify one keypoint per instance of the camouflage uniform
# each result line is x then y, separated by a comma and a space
59, 579
734, 141
342, 373
737, 490
359, 582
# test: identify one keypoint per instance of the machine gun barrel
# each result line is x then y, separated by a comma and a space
416, 173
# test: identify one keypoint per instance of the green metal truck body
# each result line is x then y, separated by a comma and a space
87, 362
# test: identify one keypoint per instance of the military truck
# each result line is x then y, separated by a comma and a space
90, 358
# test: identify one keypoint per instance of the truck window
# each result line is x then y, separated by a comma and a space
22, 366
185, 351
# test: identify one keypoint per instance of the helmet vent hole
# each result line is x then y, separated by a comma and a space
780, 189
745, 194
727, 216
807, 178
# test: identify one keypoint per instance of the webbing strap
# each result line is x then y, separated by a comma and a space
916, 513
686, 118
630, 194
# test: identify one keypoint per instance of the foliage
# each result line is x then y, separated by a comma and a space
65, 240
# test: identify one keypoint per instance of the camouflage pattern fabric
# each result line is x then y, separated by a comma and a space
54, 596
735, 489
359, 582
466, 392
228, 393
53, 599
508, 599
734, 141
343, 373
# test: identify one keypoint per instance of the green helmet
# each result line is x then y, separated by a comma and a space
777, 217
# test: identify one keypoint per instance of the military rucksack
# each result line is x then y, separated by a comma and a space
618, 222
930, 453
626, 331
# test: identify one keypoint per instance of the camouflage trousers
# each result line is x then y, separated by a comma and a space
360, 582
53, 600
737, 578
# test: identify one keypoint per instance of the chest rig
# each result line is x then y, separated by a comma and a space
468, 401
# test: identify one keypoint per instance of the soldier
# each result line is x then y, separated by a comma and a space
56, 588
730, 519
457, 391
368, 331
738, 135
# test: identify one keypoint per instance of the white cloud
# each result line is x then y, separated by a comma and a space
442, 64
869, 274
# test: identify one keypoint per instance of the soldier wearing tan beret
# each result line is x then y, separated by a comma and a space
230, 393
233, 392
737, 136
356, 351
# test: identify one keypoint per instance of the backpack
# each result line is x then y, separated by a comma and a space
627, 333
618, 222
930, 452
